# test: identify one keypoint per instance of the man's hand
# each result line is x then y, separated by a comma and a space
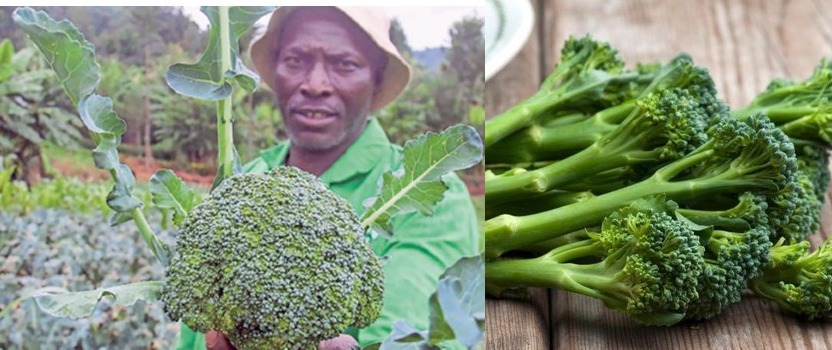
217, 341
341, 342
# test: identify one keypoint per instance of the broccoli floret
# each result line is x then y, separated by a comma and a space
273, 261
736, 246
739, 156
798, 281
664, 126
802, 110
589, 73
646, 263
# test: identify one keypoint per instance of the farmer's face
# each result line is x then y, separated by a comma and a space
325, 79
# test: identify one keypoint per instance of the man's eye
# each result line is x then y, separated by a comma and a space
347, 65
291, 60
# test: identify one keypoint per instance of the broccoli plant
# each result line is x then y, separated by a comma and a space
251, 256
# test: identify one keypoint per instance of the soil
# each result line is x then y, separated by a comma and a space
141, 171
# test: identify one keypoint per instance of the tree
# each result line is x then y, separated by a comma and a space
399, 39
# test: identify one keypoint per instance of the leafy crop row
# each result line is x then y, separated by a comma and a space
72, 251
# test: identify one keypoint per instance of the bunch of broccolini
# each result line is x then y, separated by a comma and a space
642, 189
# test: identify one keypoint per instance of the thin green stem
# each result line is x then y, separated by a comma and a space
225, 131
148, 235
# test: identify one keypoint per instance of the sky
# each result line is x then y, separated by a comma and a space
424, 27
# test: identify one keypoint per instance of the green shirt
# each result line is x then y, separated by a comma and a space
421, 247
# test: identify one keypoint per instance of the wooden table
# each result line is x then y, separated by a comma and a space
745, 44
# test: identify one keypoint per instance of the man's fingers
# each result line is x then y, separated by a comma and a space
217, 341
342, 342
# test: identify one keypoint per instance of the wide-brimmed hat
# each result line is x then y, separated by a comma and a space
375, 24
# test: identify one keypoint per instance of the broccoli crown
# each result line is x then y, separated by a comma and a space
273, 261
799, 281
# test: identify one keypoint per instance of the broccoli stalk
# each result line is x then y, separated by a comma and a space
645, 264
799, 281
588, 73
739, 156
551, 142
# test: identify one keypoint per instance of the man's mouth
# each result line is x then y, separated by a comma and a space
315, 117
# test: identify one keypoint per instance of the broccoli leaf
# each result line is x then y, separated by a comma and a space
169, 192
418, 187
404, 337
205, 79
457, 308
82, 304
457, 311
65, 48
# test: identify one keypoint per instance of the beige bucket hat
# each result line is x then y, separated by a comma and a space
373, 21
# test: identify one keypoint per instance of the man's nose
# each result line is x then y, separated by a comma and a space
317, 83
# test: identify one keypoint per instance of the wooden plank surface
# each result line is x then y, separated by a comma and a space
517, 324
744, 44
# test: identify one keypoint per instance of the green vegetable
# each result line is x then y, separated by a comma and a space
589, 75
739, 157
273, 261
803, 110
643, 263
736, 244
663, 126
565, 136
797, 280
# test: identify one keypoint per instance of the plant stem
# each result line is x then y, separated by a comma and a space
225, 131
148, 235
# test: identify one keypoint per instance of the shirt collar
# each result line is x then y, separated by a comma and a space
359, 158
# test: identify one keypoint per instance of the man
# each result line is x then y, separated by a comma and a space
330, 68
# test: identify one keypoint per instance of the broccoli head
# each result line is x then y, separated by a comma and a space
273, 261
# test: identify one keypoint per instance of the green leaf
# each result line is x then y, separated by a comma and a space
6, 54
119, 218
169, 192
82, 304
205, 79
418, 187
405, 337
67, 52
24, 130
458, 305
106, 128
